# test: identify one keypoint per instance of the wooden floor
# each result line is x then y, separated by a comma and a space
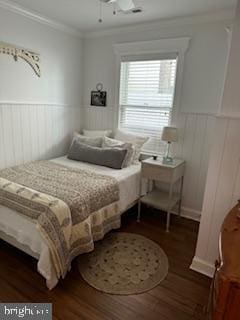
181, 296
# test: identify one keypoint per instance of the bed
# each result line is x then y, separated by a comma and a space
21, 231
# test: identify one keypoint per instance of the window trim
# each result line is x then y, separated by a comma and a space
177, 46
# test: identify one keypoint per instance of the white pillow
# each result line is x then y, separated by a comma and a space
136, 139
91, 141
109, 142
97, 133
112, 143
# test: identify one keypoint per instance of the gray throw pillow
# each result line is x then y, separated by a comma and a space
129, 155
112, 143
108, 157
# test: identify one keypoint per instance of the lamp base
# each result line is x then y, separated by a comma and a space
167, 160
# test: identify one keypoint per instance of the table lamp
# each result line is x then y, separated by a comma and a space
169, 134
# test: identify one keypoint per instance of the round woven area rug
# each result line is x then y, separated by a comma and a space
124, 263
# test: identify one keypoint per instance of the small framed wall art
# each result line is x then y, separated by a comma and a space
99, 97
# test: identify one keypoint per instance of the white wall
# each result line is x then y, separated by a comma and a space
37, 115
201, 93
223, 179
204, 64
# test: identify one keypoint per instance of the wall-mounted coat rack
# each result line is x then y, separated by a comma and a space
32, 58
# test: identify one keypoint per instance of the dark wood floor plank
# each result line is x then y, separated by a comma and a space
181, 296
166, 295
185, 288
161, 309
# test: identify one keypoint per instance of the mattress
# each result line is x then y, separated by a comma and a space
22, 233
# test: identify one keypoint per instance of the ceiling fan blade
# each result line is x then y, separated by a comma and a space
125, 5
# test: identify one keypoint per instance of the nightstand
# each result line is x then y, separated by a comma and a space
156, 171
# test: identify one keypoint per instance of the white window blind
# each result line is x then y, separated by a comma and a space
147, 90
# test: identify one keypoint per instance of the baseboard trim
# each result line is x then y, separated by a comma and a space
203, 267
189, 213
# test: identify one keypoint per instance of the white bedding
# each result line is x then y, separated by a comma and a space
22, 232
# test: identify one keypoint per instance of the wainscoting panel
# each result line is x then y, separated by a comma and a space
222, 190
99, 117
195, 132
227, 187
33, 132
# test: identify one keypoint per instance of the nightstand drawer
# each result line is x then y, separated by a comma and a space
153, 172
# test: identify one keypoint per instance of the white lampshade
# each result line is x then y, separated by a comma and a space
170, 134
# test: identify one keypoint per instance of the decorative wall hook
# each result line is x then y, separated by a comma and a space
32, 58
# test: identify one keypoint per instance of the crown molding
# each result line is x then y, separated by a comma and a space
223, 15
20, 10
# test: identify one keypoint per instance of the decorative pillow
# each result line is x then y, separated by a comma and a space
108, 157
109, 142
91, 141
112, 143
97, 133
137, 141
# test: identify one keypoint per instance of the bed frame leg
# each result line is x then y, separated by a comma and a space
139, 211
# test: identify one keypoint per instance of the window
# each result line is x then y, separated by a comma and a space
146, 97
